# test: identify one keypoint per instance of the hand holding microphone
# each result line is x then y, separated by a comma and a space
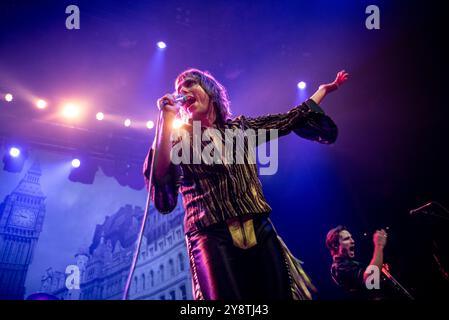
170, 103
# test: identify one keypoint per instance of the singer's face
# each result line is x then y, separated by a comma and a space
347, 244
198, 101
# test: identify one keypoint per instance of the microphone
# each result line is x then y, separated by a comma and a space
417, 210
180, 98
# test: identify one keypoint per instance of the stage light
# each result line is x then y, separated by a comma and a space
161, 45
150, 124
71, 110
41, 104
83, 173
14, 152
127, 122
76, 163
8, 97
177, 123
14, 159
301, 85
100, 116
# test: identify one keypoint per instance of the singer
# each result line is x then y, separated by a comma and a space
234, 250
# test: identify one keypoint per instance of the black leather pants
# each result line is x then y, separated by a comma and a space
222, 271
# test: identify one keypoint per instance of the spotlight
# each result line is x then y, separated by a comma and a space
177, 123
76, 163
14, 159
161, 45
8, 97
14, 152
41, 104
85, 173
301, 85
127, 122
70, 110
150, 124
100, 116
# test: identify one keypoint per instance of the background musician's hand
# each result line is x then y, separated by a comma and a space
380, 238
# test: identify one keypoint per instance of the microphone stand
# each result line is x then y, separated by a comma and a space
145, 215
396, 283
431, 213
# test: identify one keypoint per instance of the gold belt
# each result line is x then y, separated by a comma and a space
242, 232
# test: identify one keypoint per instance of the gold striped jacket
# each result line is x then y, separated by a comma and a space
213, 193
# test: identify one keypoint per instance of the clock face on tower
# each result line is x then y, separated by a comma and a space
23, 217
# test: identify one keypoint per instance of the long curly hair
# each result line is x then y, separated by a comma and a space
216, 91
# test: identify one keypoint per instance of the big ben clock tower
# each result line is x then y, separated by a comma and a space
21, 218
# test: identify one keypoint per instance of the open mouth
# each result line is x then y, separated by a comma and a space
190, 100
351, 249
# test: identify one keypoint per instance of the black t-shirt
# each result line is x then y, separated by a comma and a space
348, 273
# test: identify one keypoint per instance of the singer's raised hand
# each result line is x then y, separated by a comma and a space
168, 104
341, 78
325, 89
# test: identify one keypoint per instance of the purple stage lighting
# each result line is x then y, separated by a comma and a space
8, 97
301, 85
14, 159
150, 124
14, 152
76, 163
100, 116
41, 104
161, 45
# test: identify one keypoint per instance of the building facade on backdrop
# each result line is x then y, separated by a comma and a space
162, 271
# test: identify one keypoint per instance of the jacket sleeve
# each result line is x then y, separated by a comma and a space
165, 193
307, 120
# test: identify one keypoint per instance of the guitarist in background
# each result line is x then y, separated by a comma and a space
349, 274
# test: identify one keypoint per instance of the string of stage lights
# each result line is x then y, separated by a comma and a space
71, 110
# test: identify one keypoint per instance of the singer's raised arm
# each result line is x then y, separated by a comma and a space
307, 120
164, 181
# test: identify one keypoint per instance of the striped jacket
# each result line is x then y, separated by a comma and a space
213, 193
